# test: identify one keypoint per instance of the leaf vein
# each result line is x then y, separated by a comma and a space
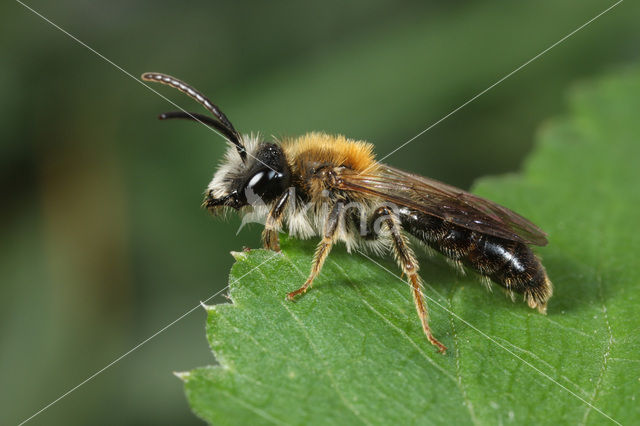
395, 327
605, 356
465, 396
327, 368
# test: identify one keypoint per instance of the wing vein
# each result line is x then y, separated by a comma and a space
446, 202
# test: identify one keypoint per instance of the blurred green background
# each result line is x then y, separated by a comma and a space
103, 241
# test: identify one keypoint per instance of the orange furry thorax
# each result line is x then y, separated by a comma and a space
320, 149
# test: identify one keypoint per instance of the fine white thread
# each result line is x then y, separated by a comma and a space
499, 81
200, 304
491, 339
132, 76
271, 258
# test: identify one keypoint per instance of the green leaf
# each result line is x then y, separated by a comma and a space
351, 351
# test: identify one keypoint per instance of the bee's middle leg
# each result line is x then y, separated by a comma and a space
323, 249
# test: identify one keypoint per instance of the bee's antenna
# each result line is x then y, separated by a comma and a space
224, 125
204, 119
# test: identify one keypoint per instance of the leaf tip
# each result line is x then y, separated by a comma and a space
239, 255
206, 307
182, 375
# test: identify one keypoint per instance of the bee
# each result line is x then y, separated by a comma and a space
332, 187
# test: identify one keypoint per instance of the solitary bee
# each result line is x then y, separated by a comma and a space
331, 186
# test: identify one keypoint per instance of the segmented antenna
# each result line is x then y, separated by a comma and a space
224, 125
204, 119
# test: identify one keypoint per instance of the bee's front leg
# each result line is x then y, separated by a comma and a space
270, 237
323, 249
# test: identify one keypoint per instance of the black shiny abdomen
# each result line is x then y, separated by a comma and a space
509, 263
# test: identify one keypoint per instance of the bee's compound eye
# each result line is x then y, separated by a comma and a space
267, 184
256, 180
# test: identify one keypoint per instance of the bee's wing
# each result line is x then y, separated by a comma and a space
444, 201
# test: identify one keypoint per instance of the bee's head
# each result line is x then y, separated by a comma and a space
261, 178
252, 172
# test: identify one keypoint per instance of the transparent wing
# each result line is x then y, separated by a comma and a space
444, 201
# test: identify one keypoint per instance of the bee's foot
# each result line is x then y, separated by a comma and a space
302, 290
441, 348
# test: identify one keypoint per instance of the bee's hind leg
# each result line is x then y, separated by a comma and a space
323, 249
409, 265
270, 238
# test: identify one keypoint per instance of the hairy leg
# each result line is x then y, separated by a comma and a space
409, 265
270, 238
323, 249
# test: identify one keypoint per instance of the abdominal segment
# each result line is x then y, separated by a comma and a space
511, 264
